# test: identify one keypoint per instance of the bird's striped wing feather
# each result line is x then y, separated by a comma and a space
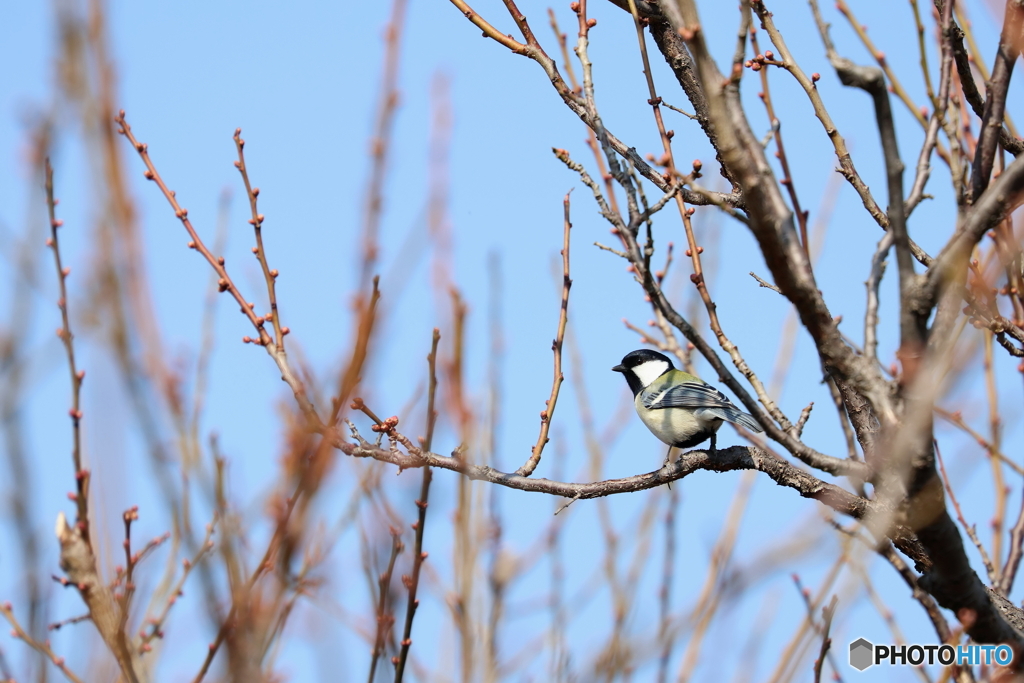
698, 396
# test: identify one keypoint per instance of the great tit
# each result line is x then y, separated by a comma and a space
680, 409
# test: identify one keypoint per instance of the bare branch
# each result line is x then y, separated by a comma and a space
556, 347
421, 504
995, 103
42, 648
225, 283
734, 458
68, 339
533, 50
970, 89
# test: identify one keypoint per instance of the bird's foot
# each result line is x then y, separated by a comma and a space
668, 461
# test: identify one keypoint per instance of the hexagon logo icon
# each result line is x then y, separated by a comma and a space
861, 654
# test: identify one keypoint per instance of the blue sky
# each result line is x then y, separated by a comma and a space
301, 80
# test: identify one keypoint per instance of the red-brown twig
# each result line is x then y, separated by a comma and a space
787, 176
1013, 556
879, 57
265, 564
311, 477
668, 577
578, 105
412, 581
969, 528
929, 90
156, 624
42, 648
379, 425
58, 625
81, 495
489, 31
125, 576
827, 613
782, 435
592, 142
257, 223
694, 250
381, 140
385, 617
811, 604
548, 413
1000, 489
124, 599
224, 282
957, 420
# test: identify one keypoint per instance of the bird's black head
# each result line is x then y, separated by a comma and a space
638, 373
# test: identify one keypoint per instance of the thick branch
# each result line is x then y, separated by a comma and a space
771, 220
995, 104
652, 287
997, 203
79, 564
957, 587
865, 78
872, 81
681, 63
970, 88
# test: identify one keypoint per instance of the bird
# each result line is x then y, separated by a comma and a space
680, 409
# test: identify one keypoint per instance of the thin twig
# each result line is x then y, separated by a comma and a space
972, 533
929, 91
66, 336
677, 109
42, 648
382, 139
827, 613
873, 283
257, 223
764, 283
577, 105
787, 175
957, 420
385, 618
548, 413
805, 415
938, 117
412, 582
999, 487
846, 167
995, 103
668, 577
658, 298
592, 142
156, 624
1014, 554
58, 625
224, 282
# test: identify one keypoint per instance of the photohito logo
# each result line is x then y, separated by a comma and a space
864, 653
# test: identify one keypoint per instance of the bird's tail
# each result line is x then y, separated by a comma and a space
736, 416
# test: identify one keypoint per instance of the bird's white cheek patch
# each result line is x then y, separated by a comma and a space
650, 371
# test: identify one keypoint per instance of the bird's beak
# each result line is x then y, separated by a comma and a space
618, 368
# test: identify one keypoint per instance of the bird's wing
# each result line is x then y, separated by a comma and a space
699, 396
685, 395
